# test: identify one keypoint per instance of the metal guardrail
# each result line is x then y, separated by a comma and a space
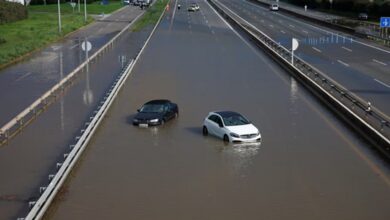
356, 108
15, 125
49, 192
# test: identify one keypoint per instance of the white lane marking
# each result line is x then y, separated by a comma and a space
382, 83
271, 25
74, 46
283, 32
380, 62
23, 76
207, 21
262, 20
212, 31
291, 25
306, 32
173, 16
345, 64
347, 49
316, 49
323, 30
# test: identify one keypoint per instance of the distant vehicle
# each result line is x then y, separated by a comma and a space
193, 7
156, 112
274, 7
231, 127
363, 16
126, 2
145, 3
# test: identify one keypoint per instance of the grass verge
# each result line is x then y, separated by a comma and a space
151, 16
41, 28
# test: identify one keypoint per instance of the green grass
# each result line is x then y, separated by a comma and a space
41, 28
151, 16
93, 8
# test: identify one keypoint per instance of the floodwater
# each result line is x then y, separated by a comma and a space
308, 166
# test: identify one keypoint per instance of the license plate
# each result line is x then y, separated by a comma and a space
143, 125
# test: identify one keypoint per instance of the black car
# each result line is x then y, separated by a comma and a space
155, 112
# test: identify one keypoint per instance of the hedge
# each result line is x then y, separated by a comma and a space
12, 11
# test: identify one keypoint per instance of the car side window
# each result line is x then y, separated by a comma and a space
219, 121
213, 118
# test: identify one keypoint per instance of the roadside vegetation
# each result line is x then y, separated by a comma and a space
41, 28
151, 16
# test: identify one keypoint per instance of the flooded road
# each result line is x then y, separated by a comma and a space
308, 166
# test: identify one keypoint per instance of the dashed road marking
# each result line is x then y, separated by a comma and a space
23, 76
74, 46
380, 62
345, 64
291, 25
382, 83
316, 49
283, 32
306, 32
347, 49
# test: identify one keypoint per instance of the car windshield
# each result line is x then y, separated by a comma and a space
152, 108
234, 120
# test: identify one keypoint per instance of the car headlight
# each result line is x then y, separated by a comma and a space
234, 135
154, 120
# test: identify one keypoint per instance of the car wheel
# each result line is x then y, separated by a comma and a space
225, 138
205, 131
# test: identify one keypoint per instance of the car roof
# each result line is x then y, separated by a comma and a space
226, 113
158, 101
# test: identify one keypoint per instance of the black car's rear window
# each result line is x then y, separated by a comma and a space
152, 108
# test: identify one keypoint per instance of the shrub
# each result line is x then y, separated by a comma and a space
11, 11
2, 40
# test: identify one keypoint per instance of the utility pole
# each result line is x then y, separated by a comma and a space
59, 17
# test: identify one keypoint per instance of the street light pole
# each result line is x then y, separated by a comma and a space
59, 17
85, 11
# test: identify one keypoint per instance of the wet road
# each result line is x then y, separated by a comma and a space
360, 66
21, 84
27, 160
309, 165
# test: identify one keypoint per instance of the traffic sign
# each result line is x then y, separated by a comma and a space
86, 46
385, 22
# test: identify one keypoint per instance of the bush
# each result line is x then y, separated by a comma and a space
11, 11
2, 40
42, 2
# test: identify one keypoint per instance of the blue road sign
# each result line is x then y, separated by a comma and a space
385, 22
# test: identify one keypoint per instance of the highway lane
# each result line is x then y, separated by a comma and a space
358, 65
309, 165
28, 159
21, 84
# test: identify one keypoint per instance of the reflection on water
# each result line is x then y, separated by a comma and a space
330, 39
239, 156
293, 90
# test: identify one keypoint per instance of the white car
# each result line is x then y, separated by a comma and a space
274, 7
231, 127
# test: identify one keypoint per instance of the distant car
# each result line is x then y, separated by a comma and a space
274, 7
193, 7
126, 2
156, 112
231, 127
363, 16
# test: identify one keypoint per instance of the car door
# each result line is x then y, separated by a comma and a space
219, 131
212, 124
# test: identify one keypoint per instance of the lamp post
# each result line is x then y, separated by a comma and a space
59, 17
85, 11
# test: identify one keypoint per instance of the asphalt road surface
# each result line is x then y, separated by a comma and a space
21, 84
309, 165
360, 66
